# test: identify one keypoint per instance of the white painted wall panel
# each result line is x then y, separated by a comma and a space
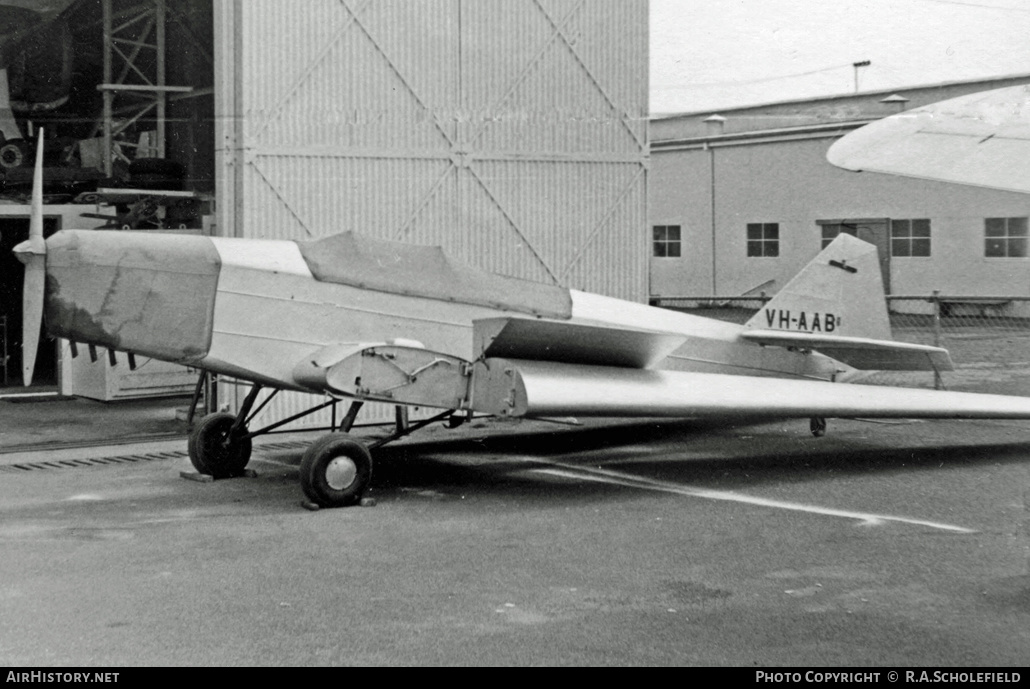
790, 183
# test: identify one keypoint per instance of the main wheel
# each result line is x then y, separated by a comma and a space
335, 471
817, 424
212, 449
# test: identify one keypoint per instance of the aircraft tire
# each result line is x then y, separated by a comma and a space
14, 153
211, 454
335, 471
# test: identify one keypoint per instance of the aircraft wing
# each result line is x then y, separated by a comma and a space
508, 387
858, 352
981, 139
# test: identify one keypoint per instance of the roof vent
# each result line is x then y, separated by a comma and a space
896, 99
714, 124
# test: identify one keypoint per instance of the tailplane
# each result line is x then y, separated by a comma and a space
836, 306
840, 294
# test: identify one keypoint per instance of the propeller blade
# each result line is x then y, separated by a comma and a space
33, 254
32, 314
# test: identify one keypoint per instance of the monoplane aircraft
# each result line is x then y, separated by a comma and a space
366, 320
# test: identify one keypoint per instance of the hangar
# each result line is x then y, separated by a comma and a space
742, 199
511, 132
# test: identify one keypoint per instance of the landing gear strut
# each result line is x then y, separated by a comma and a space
334, 472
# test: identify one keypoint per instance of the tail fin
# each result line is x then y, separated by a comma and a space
840, 293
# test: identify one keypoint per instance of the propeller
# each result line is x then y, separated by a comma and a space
33, 254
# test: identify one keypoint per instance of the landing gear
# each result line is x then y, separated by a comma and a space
817, 425
335, 471
217, 448
219, 445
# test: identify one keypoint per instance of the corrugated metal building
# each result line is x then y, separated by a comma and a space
740, 201
511, 132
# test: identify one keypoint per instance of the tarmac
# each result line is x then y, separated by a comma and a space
48, 421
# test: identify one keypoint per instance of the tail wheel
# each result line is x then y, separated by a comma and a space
817, 424
335, 471
214, 451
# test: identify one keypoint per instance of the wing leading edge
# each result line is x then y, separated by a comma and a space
981, 139
536, 388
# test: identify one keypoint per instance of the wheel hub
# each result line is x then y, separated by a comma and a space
340, 473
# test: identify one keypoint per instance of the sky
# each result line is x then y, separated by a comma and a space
711, 54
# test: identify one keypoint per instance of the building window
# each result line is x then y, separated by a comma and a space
763, 239
1005, 237
830, 232
667, 241
910, 237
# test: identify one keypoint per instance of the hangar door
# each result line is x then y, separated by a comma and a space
511, 132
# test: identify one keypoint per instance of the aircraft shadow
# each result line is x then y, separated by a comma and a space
697, 453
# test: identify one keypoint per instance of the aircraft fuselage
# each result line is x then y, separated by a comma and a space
253, 309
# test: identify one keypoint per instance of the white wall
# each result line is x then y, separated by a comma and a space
511, 132
791, 183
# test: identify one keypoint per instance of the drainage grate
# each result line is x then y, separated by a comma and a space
128, 459
95, 461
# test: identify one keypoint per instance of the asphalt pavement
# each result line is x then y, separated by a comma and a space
888, 544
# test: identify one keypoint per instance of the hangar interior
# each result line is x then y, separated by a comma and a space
122, 90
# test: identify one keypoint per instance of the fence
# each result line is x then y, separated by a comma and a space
986, 335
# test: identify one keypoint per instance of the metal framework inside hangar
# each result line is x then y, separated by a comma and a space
123, 92
742, 199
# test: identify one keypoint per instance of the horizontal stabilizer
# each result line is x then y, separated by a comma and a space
858, 352
541, 388
571, 343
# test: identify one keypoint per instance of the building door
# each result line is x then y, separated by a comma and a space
876, 231
13, 231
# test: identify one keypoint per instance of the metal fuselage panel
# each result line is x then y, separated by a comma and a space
146, 293
711, 346
270, 313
